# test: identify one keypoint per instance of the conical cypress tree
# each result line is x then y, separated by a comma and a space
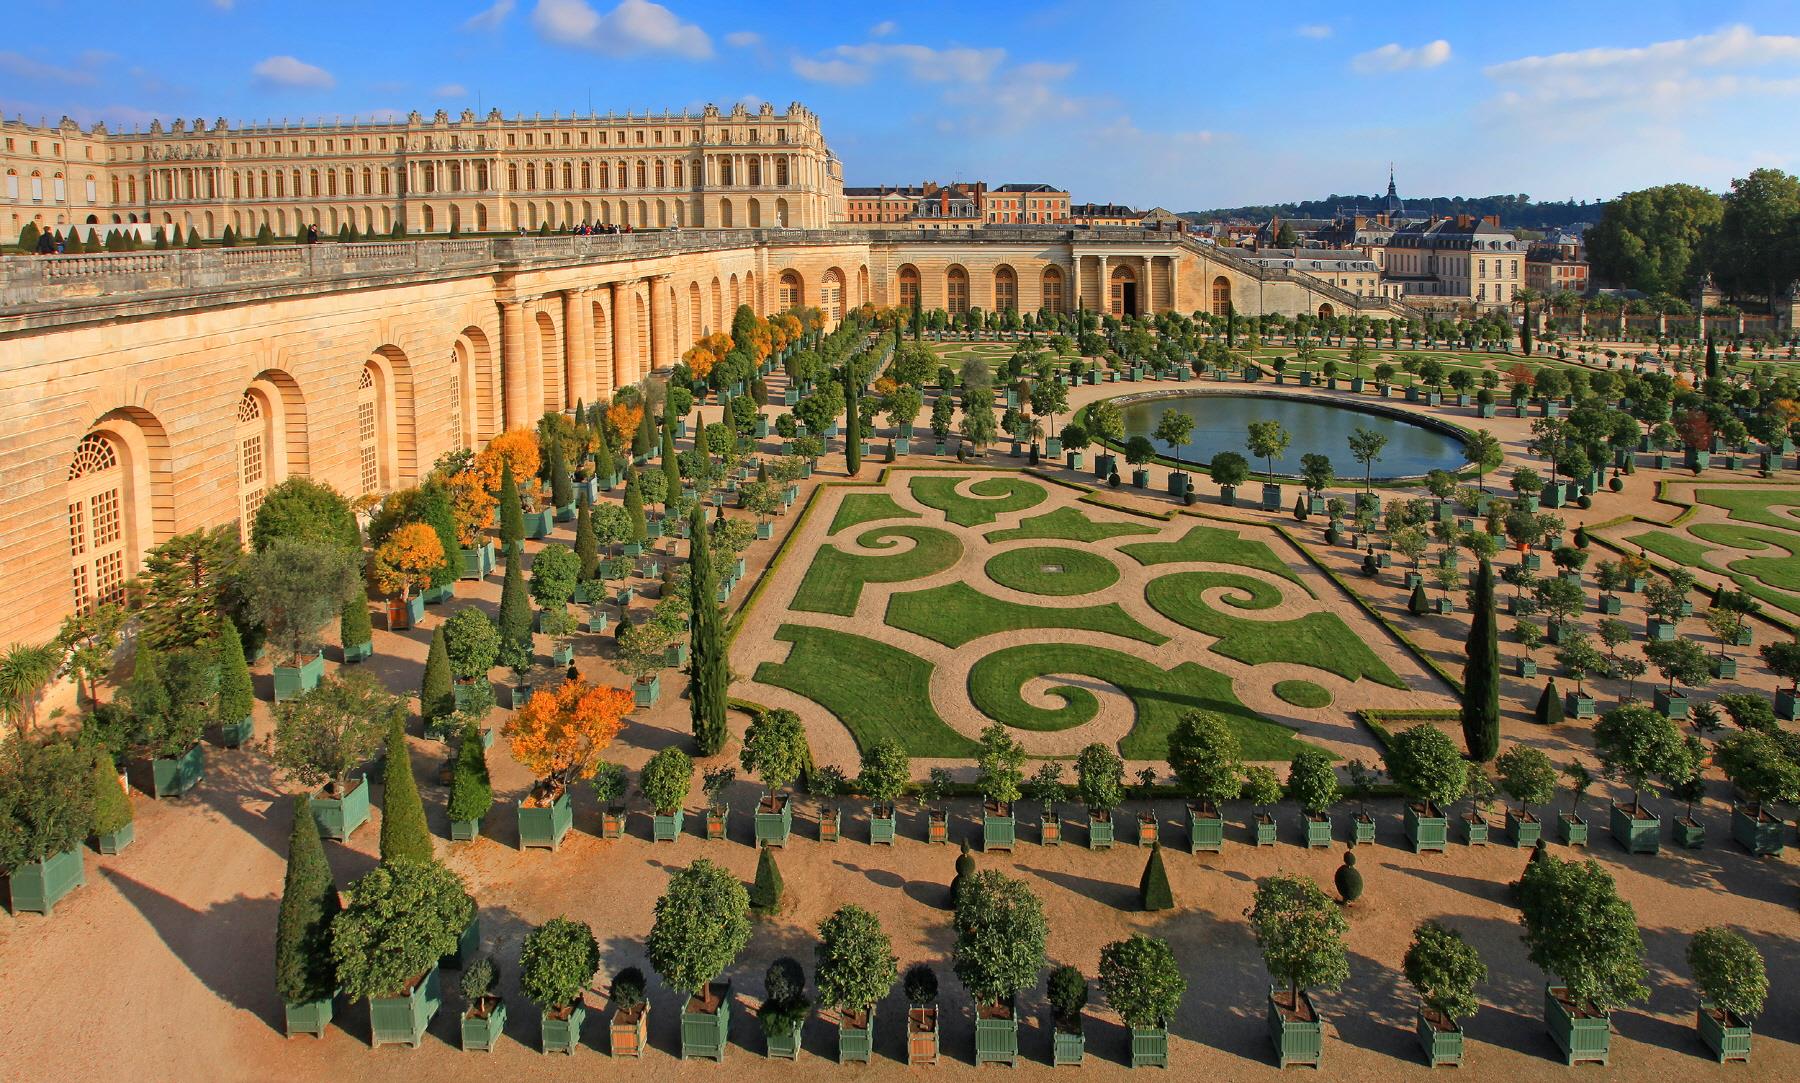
434, 509
112, 808
159, 240
115, 242
28, 238
766, 893
604, 467
634, 507
95, 247
515, 614
1712, 359
1481, 673
1153, 887
193, 237
587, 547
437, 699
265, 236
512, 516
709, 677
237, 693
403, 831
640, 439
562, 490
1549, 706
671, 463
471, 788
354, 628
1418, 605
309, 901
145, 692
228, 239
852, 424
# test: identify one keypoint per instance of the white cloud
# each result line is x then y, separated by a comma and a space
848, 64
1316, 31
490, 18
835, 72
1393, 57
1667, 76
224, 5
20, 66
450, 90
743, 39
634, 27
884, 28
287, 71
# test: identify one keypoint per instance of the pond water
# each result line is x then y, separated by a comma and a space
1222, 423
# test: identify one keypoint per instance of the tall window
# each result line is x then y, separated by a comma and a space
789, 293
909, 287
1053, 289
831, 295
252, 465
957, 291
1221, 295
458, 441
366, 443
1006, 290
96, 503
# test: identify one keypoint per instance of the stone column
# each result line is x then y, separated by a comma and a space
1175, 283
624, 336
601, 364
516, 392
1102, 287
578, 349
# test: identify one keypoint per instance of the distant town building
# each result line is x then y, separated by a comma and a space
1346, 269
1026, 205
1455, 261
1557, 264
1104, 214
880, 206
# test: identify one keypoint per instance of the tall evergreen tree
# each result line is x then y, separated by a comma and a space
437, 699
1525, 331
404, 835
354, 628
512, 516
766, 892
434, 508
634, 507
515, 614
237, 693
1712, 358
562, 490
1481, 672
852, 422
671, 462
146, 694
309, 902
587, 547
709, 677
604, 467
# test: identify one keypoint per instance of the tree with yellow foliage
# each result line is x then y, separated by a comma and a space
516, 446
471, 506
560, 736
405, 561
623, 419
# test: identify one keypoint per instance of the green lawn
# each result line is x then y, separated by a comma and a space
1691, 554
999, 495
835, 580
1683, 551
859, 508
1067, 524
1757, 505
876, 690
1303, 694
1782, 573
1052, 571
1213, 545
1319, 640
956, 613
1160, 697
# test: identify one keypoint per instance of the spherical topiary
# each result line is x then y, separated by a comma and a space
965, 868
920, 985
1617, 484
1584, 502
1349, 880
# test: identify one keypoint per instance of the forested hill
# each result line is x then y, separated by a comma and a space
1515, 211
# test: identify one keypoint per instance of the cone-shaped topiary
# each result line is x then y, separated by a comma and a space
193, 237
437, 700
28, 237
852, 423
1549, 706
403, 831
228, 239
634, 507
471, 790
965, 868
1418, 605
145, 694
604, 467
1349, 881
562, 490
512, 516
587, 547
160, 241
309, 902
766, 894
353, 623
265, 236
515, 614
237, 693
671, 462
112, 807
1153, 887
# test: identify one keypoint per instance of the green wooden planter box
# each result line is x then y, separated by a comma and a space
703, 1034
1262, 826
1585, 1039
882, 827
773, 826
439, 595
37, 886
646, 693
1363, 829
339, 817
468, 942
561, 1035
1672, 706
1572, 830
666, 827
857, 1044
1724, 668
545, 827
783, 1046
1426, 832
1100, 832
1660, 630
1206, 831
473, 566
308, 1016
716, 821
1787, 705
402, 1020
1149, 1047
174, 777
539, 524
1689, 834
290, 681
1440, 1047
235, 734
1316, 832
1474, 831
1760, 833
675, 654
1728, 1038
1576, 705
1296, 1042
115, 842
997, 1041
998, 830
563, 654
1637, 834
1611, 605
465, 830
359, 652
481, 1033
1067, 1047
519, 693
1523, 833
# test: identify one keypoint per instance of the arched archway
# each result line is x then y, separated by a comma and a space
1221, 295
1122, 296
725, 217
1326, 312
289, 431
751, 296
755, 213
736, 299
1006, 289
862, 286
831, 296
550, 364
481, 422
696, 316
106, 483
956, 290
1054, 289
602, 360
909, 287
386, 438
257, 455
641, 321
718, 315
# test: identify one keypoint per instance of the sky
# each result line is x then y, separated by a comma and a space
1184, 105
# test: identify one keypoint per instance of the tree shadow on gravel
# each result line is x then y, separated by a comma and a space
1106, 892
229, 946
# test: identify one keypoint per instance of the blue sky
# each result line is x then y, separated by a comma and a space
1180, 104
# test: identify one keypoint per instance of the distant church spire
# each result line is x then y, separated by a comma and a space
1394, 207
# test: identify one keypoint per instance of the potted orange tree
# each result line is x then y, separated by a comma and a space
626, 1033
404, 564
774, 748
556, 965
702, 923
1100, 781
784, 1008
1047, 788
1068, 996
484, 1013
1262, 788
999, 778
999, 951
1144, 985
1528, 777
1300, 932
1733, 984
1205, 759
665, 782
715, 786
855, 967
886, 770
296, 587
1312, 783
1444, 970
559, 737
327, 733
1578, 930
46, 812
921, 987
1762, 768
609, 793
403, 916
1430, 771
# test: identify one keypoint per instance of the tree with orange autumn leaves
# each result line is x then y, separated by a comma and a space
471, 505
517, 446
709, 351
622, 421
560, 736
405, 561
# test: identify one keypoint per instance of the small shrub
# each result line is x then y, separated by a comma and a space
920, 985
1349, 880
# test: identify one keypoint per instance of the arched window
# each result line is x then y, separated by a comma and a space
1006, 290
695, 314
368, 430
1053, 289
96, 500
909, 287
253, 464
458, 440
789, 293
1221, 296
642, 176
831, 295
956, 289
